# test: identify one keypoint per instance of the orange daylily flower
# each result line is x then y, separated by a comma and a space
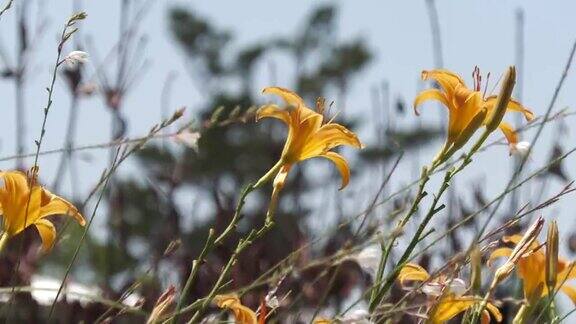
465, 104
308, 135
449, 304
243, 314
18, 195
531, 268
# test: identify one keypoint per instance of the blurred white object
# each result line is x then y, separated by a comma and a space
76, 57
188, 138
44, 290
456, 286
358, 316
520, 148
369, 258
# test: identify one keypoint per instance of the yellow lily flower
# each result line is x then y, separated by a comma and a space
465, 104
18, 196
449, 304
308, 136
531, 268
243, 314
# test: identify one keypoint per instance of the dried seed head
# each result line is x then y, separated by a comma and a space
519, 250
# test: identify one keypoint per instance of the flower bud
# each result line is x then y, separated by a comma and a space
552, 255
503, 98
476, 270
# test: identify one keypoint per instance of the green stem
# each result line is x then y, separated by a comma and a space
431, 212
242, 244
478, 314
193, 272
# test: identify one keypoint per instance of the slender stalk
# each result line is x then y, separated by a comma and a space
434, 208
79, 245
66, 157
195, 267
20, 68
3, 241
477, 314
413, 208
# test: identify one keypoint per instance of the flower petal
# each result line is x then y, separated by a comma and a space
495, 312
291, 98
566, 271
448, 80
243, 314
273, 111
47, 233
16, 200
328, 137
570, 291
509, 132
513, 105
60, 206
13, 195
341, 165
449, 307
498, 253
412, 272
430, 94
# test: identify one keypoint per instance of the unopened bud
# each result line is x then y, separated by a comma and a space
552, 255
503, 99
476, 270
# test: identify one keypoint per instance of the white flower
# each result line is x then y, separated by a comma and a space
456, 286
369, 258
76, 57
188, 138
358, 316
520, 148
